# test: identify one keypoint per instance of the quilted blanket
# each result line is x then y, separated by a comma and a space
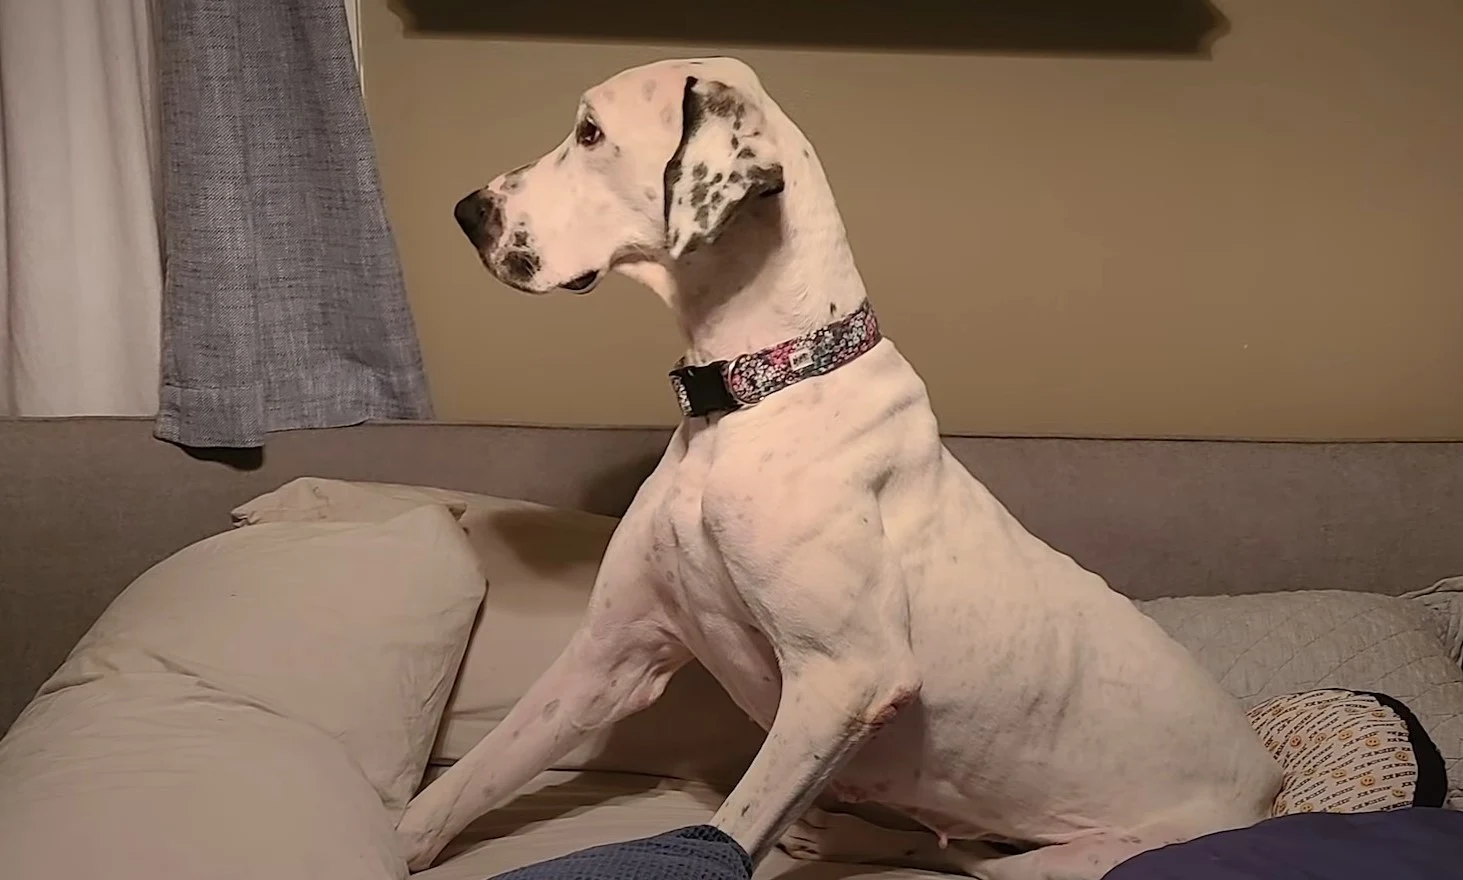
1260, 646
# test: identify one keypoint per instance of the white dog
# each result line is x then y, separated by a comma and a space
811, 541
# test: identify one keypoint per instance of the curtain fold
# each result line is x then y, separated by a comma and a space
80, 269
283, 303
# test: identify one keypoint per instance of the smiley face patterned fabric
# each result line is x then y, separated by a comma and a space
1346, 751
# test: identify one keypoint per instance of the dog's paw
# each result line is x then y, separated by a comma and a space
419, 836
821, 835
806, 838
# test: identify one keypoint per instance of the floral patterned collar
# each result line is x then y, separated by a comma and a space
729, 385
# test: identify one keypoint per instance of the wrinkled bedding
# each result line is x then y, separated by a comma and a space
562, 812
621, 826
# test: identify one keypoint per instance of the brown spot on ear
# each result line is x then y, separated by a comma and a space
768, 181
699, 172
649, 90
551, 708
724, 101
665, 116
609, 96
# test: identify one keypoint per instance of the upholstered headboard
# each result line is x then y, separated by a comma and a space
87, 504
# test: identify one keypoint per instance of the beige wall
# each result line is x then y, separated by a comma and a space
1263, 244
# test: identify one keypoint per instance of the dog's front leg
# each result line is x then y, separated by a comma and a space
826, 712
599, 679
617, 663
838, 618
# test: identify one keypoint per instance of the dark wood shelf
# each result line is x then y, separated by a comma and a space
1171, 28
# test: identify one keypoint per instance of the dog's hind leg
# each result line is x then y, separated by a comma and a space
616, 664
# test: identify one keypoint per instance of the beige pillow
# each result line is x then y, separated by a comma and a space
155, 776
540, 563
260, 704
355, 628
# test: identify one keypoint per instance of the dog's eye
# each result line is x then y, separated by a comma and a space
588, 133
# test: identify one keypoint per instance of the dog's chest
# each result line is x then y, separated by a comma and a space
703, 602
696, 579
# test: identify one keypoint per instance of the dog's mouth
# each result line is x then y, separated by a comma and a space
581, 284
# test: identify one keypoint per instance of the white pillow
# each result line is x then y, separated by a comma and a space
1268, 644
260, 704
540, 563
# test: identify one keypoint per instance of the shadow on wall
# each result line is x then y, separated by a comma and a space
1166, 28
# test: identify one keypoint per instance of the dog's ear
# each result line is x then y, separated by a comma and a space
725, 157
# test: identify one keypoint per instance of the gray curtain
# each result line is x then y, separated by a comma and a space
283, 302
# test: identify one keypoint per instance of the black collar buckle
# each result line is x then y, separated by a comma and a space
701, 389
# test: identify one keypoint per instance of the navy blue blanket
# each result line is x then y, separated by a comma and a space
699, 852
1417, 843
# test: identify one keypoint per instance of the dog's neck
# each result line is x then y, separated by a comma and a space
781, 269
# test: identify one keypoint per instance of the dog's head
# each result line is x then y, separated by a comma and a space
658, 161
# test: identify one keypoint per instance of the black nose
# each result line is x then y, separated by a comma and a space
480, 218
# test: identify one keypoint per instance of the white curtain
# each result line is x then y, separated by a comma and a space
80, 265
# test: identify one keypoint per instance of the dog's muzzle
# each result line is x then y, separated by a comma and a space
481, 217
